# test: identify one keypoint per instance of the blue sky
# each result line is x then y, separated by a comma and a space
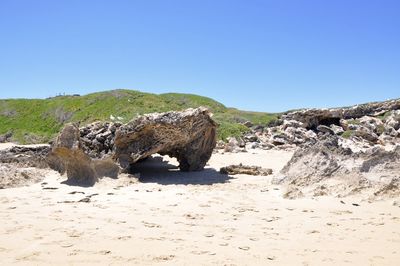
251, 54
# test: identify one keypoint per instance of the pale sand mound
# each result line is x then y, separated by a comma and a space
14, 176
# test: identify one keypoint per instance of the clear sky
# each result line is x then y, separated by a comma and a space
251, 54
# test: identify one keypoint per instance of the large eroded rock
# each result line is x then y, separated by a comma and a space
189, 136
93, 151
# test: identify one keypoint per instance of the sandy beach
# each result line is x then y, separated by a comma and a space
201, 218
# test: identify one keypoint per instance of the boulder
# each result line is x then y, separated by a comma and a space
366, 134
373, 124
250, 137
337, 130
245, 170
279, 139
234, 145
393, 120
189, 136
69, 137
291, 123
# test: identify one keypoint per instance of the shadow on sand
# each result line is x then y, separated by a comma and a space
156, 170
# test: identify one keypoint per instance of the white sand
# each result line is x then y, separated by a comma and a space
202, 218
6, 145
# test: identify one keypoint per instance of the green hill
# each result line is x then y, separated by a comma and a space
38, 120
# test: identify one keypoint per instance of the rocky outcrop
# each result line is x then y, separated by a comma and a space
364, 125
189, 136
329, 167
338, 151
311, 118
25, 156
91, 152
97, 139
23, 165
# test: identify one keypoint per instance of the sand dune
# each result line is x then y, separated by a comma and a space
201, 218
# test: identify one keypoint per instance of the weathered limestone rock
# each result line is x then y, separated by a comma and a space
23, 156
329, 167
98, 139
365, 125
89, 153
189, 136
311, 118
75, 163
393, 120
235, 145
325, 129
68, 156
245, 170
69, 137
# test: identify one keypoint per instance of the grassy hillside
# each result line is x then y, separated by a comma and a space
38, 120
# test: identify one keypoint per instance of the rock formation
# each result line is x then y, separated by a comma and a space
362, 126
329, 167
189, 136
23, 156
22, 165
338, 151
245, 170
91, 152
311, 118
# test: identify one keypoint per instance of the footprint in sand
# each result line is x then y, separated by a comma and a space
164, 258
66, 245
74, 233
209, 235
272, 219
123, 237
332, 224
339, 212
4, 200
151, 225
161, 238
29, 256
193, 216
229, 230
227, 237
104, 252
202, 252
